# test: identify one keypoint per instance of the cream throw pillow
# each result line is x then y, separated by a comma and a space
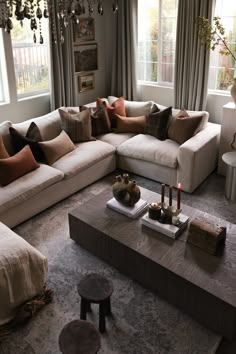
57, 147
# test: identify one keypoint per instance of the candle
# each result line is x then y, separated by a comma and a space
178, 195
170, 195
162, 193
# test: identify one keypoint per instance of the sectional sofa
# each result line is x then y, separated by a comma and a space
165, 161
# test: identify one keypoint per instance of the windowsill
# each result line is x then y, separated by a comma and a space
25, 98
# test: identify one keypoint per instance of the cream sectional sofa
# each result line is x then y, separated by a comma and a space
163, 161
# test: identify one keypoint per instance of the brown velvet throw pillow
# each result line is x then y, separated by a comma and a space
130, 124
16, 166
31, 138
182, 129
77, 125
3, 152
57, 147
100, 120
157, 122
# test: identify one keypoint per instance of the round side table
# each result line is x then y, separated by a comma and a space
229, 159
94, 288
79, 337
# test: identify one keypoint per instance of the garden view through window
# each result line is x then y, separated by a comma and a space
31, 60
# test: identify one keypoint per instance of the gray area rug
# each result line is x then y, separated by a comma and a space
142, 323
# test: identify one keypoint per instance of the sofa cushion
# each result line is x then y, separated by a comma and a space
147, 147
3, 152
27, 186
157, 122
134, 108
130, 124
115, 139
16, 166
86, 155
31, 138
100, 120
182, 129
77, 124
57, 147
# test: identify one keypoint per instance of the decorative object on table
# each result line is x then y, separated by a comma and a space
86, 82
85, 57
130, 211
233, 143
170, 230
84, 30
171, 214
207, 235
126, 191
154, 211
213, 35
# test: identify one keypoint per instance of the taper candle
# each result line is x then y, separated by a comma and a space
178, 195
162, 193
170, 195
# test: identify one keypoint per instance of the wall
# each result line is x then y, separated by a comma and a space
165, 96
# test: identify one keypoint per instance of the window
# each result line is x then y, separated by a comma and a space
157, 21
3, 75
31, 60
221, 71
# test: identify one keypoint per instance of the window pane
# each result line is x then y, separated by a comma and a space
157, 21
31, 60
221, 66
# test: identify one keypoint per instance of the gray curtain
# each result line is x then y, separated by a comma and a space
62, 63
192, 59
124, 78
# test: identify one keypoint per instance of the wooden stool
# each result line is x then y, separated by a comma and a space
95, 288
79, 337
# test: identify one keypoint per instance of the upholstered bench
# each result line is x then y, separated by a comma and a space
23, 272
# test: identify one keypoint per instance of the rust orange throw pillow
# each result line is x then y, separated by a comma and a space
117, 107
3, 152
16, 166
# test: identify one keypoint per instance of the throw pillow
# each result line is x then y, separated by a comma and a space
117, 107
182, 114
182, 129
3, 152
32, 138
16, 166
130, 124
100, 120
57, 147
77, 125
157, 122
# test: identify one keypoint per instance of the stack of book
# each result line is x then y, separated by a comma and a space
170, 230
132, 211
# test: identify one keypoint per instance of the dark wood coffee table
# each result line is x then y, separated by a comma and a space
198, 283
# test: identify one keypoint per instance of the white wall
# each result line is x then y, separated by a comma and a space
165, 96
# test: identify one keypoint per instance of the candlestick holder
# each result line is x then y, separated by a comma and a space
171, 214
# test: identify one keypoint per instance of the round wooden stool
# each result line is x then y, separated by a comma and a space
79, 337
94, 288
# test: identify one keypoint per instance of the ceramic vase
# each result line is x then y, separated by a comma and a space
233, 91
126, 191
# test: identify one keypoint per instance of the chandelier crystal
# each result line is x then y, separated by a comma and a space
34, 10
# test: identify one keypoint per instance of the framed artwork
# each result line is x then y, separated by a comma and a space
86, 82
84, 30
86, 57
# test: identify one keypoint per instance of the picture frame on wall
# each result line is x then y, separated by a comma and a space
84, 30
86, 81
85, 57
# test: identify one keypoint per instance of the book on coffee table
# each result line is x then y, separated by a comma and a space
132, 212
169, 230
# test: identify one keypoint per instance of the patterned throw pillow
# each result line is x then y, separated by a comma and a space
77, 125
130, 124
157, 122
182, 129
3, 152
100, 120
32, 138
57, 147
16, 166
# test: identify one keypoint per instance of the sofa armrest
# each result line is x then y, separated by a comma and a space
197, 157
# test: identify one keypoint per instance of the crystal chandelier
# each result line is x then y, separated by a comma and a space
35, 10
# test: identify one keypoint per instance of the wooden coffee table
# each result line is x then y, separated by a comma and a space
198, 283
